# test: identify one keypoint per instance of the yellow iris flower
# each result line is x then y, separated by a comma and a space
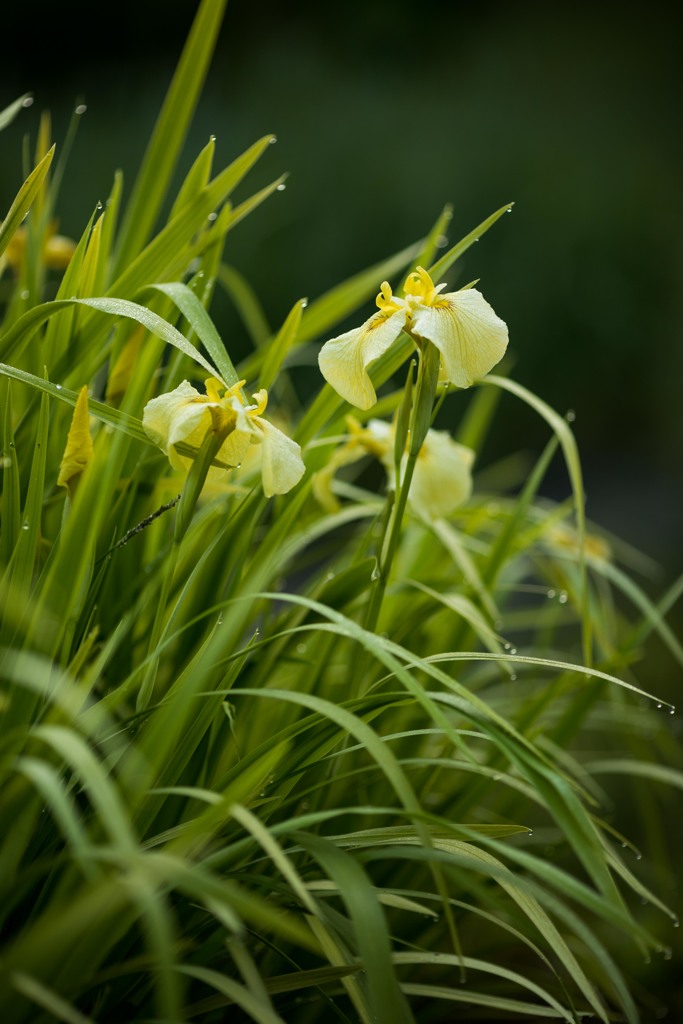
469, 336
185, 416
442, 478
56, 253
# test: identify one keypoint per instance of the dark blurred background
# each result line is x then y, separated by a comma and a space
385, 111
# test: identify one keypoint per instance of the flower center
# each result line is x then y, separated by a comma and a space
420, 288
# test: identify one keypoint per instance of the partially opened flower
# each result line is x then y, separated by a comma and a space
442, 478
56, 252
185, 416
462, 325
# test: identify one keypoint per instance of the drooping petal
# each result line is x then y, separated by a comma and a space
79, 447
344, 360
466, 331
281, 464
442, 480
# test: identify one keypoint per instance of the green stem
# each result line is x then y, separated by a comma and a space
420, 421
188, 500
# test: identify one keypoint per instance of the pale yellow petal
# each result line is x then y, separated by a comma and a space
158, 414
344, 360
281, 464
381, 435
442, 480
466, 331
235, 447
79, 446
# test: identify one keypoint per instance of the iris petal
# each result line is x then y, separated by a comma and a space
281, 463
344, 360
467, 332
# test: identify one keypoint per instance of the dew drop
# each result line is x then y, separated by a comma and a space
570, 416
301, 648
281, 187
24, 294
329, 576
659, 705
563, 598
80, 109
213, 216
507, 646
639, 855
552, 594
212, 138
375, 574
530, 832
58, 387
676, 923
28, 102
513, 676
513, 650
441, 242
272, 140
304, 303
25, 526
672, 710
623, 846
99, 205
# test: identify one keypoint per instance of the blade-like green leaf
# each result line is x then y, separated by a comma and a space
159, 163
23, 200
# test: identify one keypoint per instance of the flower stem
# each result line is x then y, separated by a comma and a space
420, 420
188, 500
